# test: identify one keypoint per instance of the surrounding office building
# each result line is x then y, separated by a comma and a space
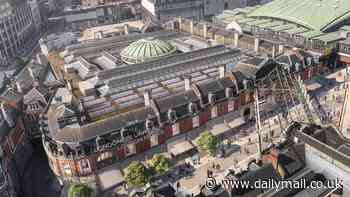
15, 151
34, 7
57, 41
17, 29
96, 3
22, 99
326, 150
163, 10
79, 19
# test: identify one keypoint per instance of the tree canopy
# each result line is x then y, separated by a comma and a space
80, 190
159, 164
208, 142
136, 174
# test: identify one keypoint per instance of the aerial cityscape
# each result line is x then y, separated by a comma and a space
174, 98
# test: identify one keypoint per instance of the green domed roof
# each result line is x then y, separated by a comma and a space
146, 49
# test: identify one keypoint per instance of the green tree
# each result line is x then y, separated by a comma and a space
136, 174
80, 190
159, 164
208, 142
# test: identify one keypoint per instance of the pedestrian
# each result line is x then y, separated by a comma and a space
193, 160
247, 150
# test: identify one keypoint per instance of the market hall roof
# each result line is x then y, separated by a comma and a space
146, 49
312, 14
325, 21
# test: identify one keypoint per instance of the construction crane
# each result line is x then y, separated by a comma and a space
286, 87
305, 100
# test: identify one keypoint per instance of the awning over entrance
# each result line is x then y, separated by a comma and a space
180, 147
110, 178
219, 129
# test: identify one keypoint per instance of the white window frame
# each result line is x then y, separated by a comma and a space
67, 169
214, 112
175, 128
247, 97
130, 149
84, 168
104, 156
195, 121
154, 140
231, 106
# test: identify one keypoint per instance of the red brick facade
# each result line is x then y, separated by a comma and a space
182, 125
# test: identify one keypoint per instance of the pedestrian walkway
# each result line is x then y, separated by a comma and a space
194, 182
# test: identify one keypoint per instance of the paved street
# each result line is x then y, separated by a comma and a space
331, 98
192, 182
39, 180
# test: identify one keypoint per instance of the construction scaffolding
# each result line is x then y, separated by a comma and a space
282, 94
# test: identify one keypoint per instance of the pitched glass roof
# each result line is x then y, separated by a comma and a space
257, 22
313, 14
311, 34
283, 27
272, 24
331, 37
296, 30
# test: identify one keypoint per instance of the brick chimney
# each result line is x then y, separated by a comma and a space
188, 82
205, 29
222, 71
126, 29
147, 97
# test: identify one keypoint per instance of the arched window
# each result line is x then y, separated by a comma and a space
172, 115
245, 84
104, 156
211, 98
297, 67
309, 61
67, 169
100, 143
192, 108
149, 124
85, 166
229, 92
